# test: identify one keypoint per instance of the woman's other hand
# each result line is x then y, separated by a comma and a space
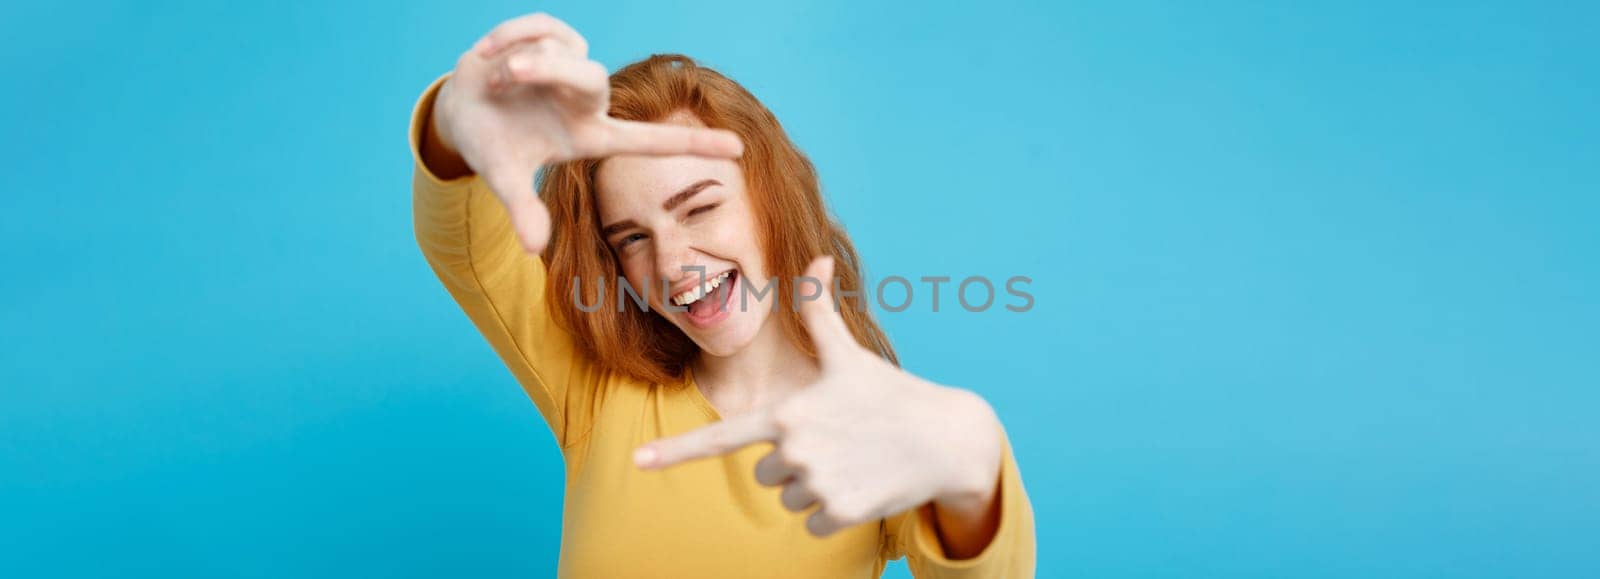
866, 441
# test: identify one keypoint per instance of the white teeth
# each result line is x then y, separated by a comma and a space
690, 295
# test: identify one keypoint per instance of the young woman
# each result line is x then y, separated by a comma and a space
727, 426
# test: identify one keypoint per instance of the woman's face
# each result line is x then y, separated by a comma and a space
687, 222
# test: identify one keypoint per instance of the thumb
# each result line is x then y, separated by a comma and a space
528, 215
824, 323
708, 441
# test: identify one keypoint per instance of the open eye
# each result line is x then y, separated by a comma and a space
629, 239
703, 209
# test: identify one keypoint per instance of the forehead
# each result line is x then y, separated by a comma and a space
626, 180
628, 186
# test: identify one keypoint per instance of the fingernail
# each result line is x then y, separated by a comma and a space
644, 457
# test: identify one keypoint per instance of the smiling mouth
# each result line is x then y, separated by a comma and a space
708, 303
705, 288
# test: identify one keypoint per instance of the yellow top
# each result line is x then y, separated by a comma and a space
708, 518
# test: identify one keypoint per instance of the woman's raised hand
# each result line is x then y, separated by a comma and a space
527, 94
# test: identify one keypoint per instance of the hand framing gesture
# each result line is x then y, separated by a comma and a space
527, 94
866, 441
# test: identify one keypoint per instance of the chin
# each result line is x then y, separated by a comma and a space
720, 342
718, 350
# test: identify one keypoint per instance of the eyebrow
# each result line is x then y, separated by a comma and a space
671, 203
674, 201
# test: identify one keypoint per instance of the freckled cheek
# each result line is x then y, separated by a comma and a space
636, 271
736, 237
723, 239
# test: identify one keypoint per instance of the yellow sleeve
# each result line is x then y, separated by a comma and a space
1010, 555
467, 239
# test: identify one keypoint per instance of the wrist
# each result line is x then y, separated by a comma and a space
437, 123
439, 151
976, 448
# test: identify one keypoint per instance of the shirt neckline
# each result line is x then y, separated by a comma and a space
699, 398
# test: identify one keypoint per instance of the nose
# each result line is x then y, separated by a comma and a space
672, 254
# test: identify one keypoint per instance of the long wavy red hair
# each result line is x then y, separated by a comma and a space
795, 226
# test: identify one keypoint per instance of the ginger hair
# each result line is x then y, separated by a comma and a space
794, 224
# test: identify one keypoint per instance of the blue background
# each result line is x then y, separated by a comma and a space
1315, 282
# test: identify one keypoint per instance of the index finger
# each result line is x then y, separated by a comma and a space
639, 138
705, 442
